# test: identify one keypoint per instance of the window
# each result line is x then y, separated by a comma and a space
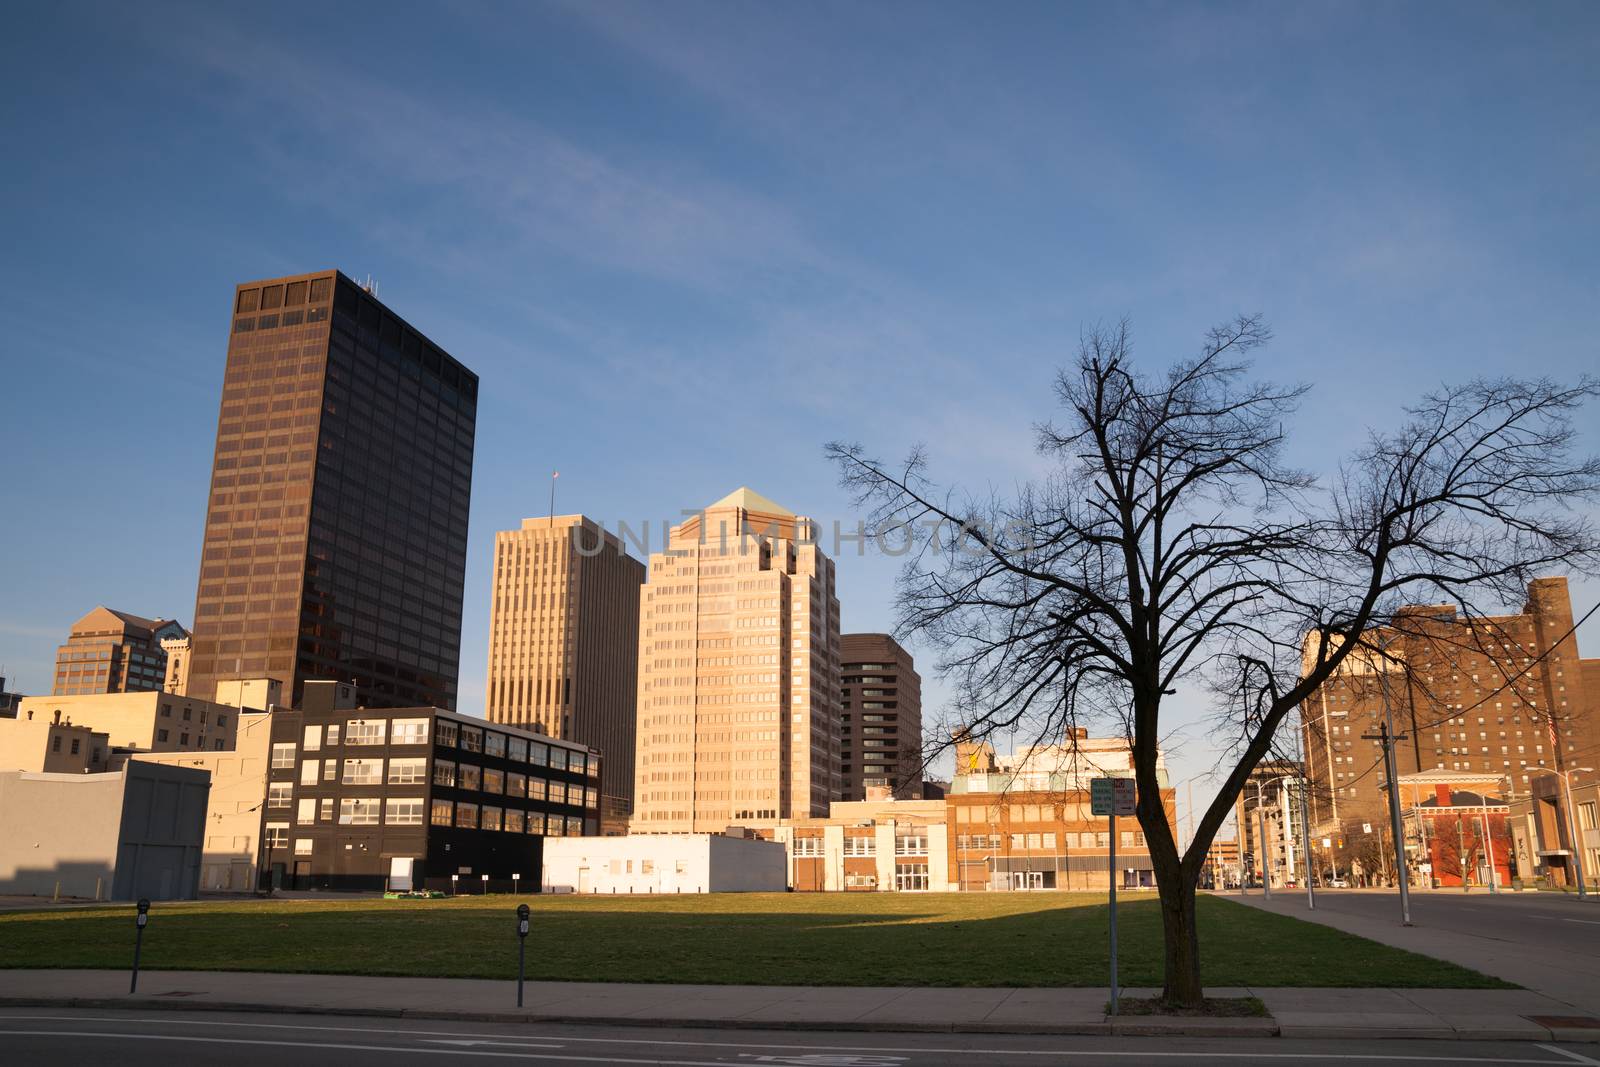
443, 813
444, 772
558, 758
408, 732
161, 735
536, 789
913, 845
860, 846
535, 822
307, 812
558, 792
277, 835
365, 732
309, 770
494, 745
280, 795
516, 785
312, 740
513, 824
363, 771
444, 733
469, 777
403, 811
591, 797
574, 826
538, 754
330, 770
410, 770
491, 818
359, 811
467, 816
333, 735
283, 756
911, 877
517, 749
471, 739
494, 781
302, 846
811, 846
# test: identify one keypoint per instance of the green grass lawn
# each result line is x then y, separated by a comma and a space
941, 939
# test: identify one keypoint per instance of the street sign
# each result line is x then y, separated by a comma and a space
1111, 796
1327, 842
1366, 828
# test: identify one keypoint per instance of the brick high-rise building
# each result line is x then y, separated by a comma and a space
1505, 695
738, 673
336, 529
564, 642
111, 651
881, 732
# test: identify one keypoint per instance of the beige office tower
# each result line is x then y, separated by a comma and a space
563, 643
738, 673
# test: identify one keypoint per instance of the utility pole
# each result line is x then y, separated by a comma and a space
1387, 738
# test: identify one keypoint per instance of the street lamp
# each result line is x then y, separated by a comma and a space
1261, 834
1572, 826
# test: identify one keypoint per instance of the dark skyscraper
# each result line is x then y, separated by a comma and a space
336, 531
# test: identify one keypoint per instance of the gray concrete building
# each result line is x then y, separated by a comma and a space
133, 833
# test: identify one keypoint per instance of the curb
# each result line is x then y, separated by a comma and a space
1122, 1026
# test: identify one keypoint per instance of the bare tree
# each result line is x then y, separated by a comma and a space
1171, 542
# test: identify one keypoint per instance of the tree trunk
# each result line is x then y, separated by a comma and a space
1181, 941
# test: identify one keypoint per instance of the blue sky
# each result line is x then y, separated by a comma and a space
683, 245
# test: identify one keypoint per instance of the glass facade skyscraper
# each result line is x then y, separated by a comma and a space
336, 529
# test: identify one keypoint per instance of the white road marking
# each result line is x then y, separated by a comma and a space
1575, 1056
484, 1041
1107, 1053
1586, 922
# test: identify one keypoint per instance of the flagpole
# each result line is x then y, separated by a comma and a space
553, 476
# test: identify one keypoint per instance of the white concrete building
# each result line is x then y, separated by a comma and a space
664, 863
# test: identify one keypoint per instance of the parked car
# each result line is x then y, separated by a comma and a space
1339, 883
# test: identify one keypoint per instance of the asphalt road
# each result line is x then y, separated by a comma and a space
158, 1038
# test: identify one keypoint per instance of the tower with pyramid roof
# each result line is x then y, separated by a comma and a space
738, 673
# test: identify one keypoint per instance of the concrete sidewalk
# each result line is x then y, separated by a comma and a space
1566, 971
1475, 1014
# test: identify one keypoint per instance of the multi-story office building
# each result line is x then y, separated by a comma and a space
80, 733
1271, 799
564, 642
1506, 695
401, 798
1020, 822
336, 528
1023, 821
738, 673
881, 732
114, 652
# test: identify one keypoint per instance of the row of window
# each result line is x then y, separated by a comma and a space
512, 784
466, 816
450, 734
